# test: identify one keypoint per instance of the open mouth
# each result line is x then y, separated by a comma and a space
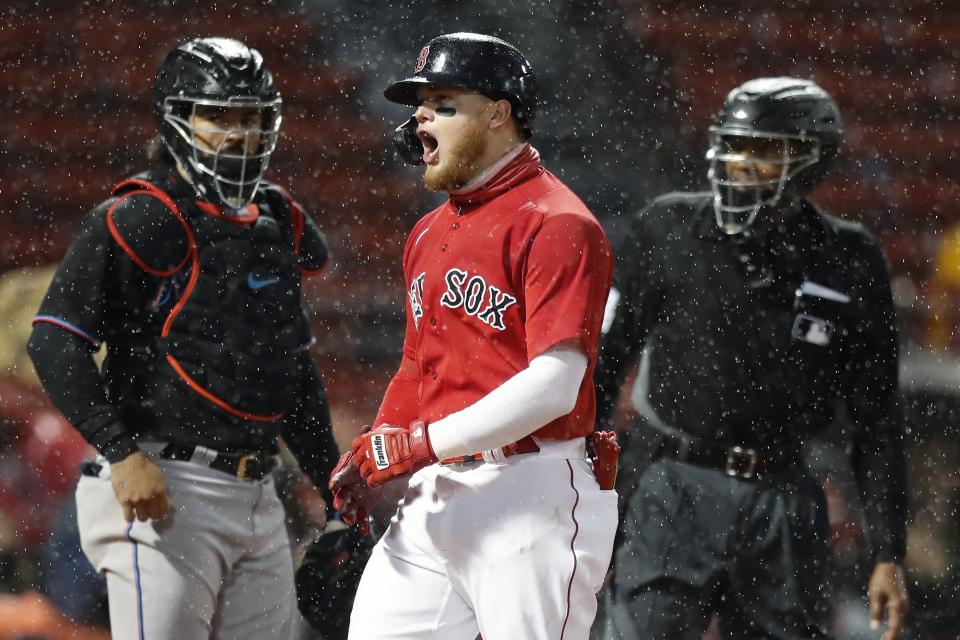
431, 148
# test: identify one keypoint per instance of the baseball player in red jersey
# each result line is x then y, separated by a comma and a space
503, 529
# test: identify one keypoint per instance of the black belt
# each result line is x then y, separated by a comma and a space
245, 466
249, 466
737, 462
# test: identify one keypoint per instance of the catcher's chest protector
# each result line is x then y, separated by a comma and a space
236, 325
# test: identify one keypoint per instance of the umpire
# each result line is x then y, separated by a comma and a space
753, 315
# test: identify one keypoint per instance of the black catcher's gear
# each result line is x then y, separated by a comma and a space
233, 325
329, 576
223, 73
797, 113
473, 61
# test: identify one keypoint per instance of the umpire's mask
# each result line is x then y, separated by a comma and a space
748, 172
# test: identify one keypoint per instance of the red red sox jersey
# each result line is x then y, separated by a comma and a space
494, 278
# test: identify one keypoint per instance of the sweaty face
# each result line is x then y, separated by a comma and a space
452, 125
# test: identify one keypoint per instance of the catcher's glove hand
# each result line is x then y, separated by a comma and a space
327, 580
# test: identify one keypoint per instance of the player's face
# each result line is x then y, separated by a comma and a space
452, 125
235, 128
760, 159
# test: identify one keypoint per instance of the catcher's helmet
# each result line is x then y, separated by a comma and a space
473, 61
797, 112
225, 73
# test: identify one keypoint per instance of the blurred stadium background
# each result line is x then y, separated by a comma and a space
628, 88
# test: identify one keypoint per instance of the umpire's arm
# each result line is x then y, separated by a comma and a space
627, 318
878, 436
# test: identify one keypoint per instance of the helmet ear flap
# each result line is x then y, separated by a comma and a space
407, 142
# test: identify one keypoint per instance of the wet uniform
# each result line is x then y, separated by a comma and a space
511, 542
744, 353
199, 307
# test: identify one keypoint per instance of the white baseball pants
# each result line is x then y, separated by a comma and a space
511, 549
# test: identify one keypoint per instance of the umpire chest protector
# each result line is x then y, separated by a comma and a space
230, 294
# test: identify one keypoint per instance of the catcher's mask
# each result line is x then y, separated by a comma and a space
225, 74
231, 172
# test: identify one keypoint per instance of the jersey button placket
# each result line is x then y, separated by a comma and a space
453, 227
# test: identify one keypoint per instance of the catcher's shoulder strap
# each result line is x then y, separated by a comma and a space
148, 225
311, 248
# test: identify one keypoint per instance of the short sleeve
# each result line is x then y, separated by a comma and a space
567, 279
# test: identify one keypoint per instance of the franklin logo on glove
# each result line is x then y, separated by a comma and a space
379, 445
389, 452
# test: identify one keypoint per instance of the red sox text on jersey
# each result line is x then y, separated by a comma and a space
471, 293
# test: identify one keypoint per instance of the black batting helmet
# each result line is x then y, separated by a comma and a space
224, 73
797, 111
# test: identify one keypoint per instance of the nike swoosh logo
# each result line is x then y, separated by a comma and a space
259, 283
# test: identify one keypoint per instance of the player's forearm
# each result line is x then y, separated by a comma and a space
546, 390
401, 400
610, 375
307, 428
879, 465
622, 338
879, 438
883, 492
74, 384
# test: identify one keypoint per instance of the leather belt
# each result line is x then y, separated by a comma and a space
737, 461
524, 445
249, 466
